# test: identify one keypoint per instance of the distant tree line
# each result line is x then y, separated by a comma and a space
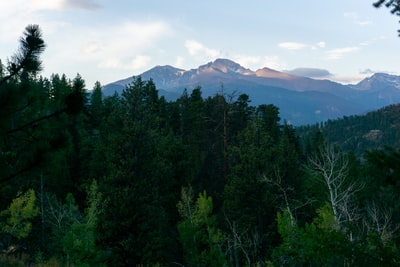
359, 133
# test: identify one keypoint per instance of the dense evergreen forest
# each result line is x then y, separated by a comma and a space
134, 180
378, 129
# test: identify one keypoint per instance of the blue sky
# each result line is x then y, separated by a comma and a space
108, 40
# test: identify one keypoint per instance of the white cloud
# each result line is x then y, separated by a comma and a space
273, 62
22, 12
115, 43
118, 50
247, 61
179, 62
321, 44
196, 48
35, 5
81, 4
318, 45
351, 15
137, 63
258, 62
91, 48
349, 79
73, 46
31, 6
301, 46
339, 53
364, 23
311, 73
292, 45
355, 17
193, 47
19, 13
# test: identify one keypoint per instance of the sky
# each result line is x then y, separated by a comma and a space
109, 40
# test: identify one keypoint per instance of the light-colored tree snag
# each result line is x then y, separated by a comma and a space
331, 168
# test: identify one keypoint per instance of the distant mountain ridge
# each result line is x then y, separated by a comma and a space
301, 100
379, 80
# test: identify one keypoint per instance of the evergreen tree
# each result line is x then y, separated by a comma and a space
248, 199
382, 174
18, 99
193, 130
136, 222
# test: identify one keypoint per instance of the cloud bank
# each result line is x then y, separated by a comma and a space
339, 53
81, 4
311, 73
301, 46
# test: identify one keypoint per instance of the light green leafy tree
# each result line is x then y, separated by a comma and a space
314, 244
79, 239
19, 215
200, 238
74, 232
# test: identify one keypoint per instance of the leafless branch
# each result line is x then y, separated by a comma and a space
331, 167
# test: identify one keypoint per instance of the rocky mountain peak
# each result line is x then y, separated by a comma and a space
166, 70
301, 100
225, 66
270, 73
378, 81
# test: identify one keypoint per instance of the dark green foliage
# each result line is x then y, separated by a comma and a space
386, 165
315, 244
137, 184
264, 161
20, 99
382, 173
374, 130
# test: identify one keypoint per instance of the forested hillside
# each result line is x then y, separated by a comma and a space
374, 130
135, 180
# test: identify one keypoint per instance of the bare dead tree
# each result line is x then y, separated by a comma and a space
379, 220
289, 204
276, 181
56, 212
331, 168
237, 241
242, 243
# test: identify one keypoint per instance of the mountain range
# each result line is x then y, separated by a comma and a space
301, 100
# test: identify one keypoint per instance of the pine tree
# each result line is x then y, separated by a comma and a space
137, 223
248, 199
18, 99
